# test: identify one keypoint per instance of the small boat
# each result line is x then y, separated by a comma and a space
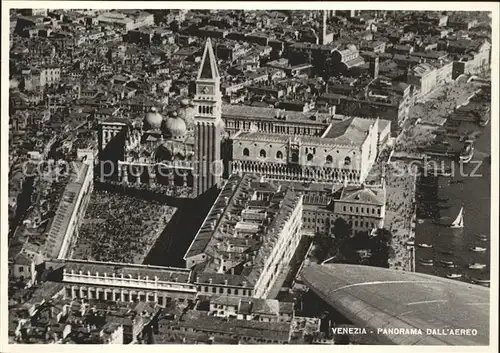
477, 249
420, 221
454, 275
481, 281
467, 152
459, 221
448, 263
476, 266
483, 237
427, 262
424, 245
484, 120
410, 243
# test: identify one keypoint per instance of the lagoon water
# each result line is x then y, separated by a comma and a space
473, 193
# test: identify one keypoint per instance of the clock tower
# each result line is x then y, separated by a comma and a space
208, 123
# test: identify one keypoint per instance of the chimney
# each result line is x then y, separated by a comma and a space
210, 280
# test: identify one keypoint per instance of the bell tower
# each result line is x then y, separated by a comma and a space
208, 123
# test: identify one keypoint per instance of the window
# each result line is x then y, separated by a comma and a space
21, 269
279, 155
246, 152
214, 290
329, 159
310, 157
345, 208
378, 211
262, 154
229, 291
347, 161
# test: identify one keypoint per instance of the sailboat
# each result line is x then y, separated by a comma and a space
459, 221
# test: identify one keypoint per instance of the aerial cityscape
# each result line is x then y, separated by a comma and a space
249, 177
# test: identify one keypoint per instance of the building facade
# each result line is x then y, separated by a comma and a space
123, 282
346, 150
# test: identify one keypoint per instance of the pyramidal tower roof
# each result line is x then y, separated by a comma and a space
208, 68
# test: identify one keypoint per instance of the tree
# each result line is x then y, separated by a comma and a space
324, 247
341, 230
381, 248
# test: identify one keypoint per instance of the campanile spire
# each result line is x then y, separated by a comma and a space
208, 69
208, 123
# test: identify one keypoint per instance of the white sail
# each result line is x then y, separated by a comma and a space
459, 221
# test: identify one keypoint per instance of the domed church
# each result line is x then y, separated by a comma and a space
160, 149
169, 147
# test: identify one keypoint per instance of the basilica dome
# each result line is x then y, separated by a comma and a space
13, 83
186, 112
174, 126
153, 120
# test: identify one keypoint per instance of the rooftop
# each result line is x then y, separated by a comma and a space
64, 212
241, 229
363, 194
167, 274
201, 321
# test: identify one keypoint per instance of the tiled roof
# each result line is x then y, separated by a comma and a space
363, 195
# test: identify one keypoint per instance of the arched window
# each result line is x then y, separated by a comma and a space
347, 161
262, 154
329, 159
310, 157
246, 152
279, 155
